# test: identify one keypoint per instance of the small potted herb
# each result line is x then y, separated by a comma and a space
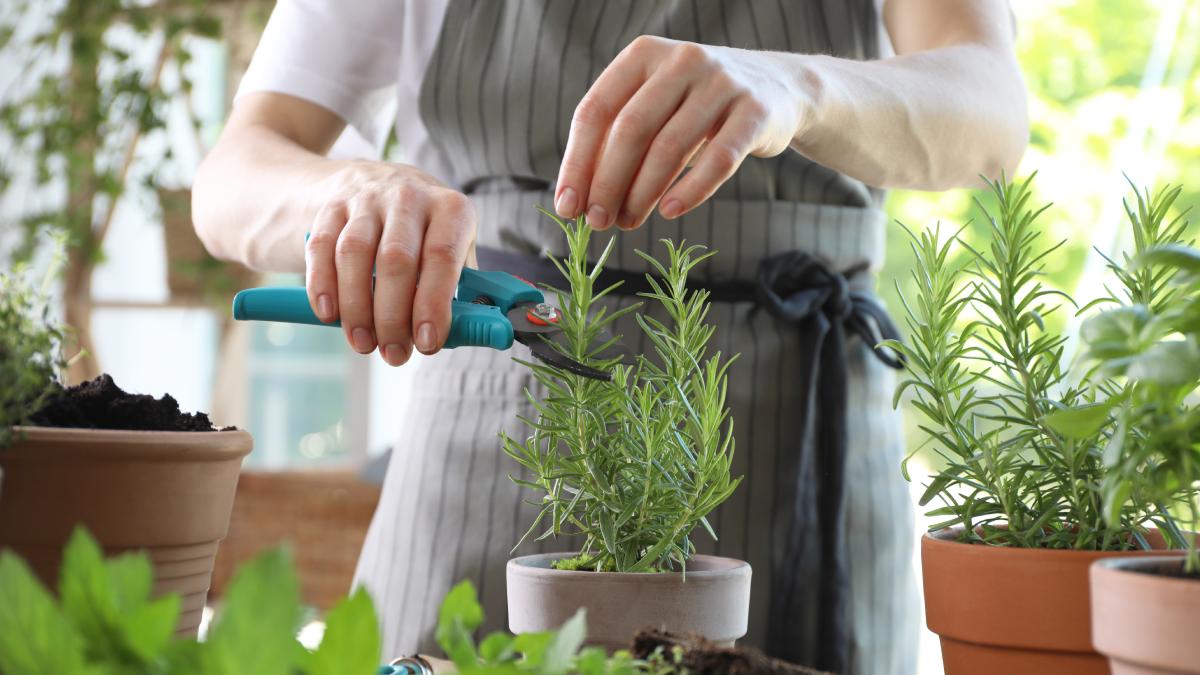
133, 469
1146, 611
632, 466
1020, 435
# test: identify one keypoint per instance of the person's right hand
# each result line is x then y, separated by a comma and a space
404, 225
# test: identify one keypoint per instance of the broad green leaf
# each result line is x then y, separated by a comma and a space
109, 603
1114, 501
1171, 363
1115, 332
532, 647
496, 647
460, 615
564, 643
1180, 257
351, 642
35, 636
1081, 421
1115, 445
150, 627
591, 661
255, 630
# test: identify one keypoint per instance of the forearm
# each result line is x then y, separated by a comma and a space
255, 196
929, 120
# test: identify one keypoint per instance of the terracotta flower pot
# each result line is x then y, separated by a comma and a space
1005, 610
1145, 620
713, 600
169, 493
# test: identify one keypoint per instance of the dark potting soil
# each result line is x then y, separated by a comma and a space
101, 404
701, 657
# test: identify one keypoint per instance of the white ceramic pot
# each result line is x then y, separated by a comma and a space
711, 600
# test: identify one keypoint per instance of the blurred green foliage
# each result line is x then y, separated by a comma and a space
1084, 62
1091, 119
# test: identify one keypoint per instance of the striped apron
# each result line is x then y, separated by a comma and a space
498, 96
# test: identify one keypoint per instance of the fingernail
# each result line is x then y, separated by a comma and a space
568, 203
426, 340
625, 220
363, 341
597, 217
324, 308
671, 208
393, 354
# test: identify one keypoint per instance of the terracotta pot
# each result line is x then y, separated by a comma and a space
712, 599
1144, 620
169, 493
1002, 610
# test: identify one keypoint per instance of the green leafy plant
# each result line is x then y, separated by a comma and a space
1146, 350
636, 464
31, 358
105, 621
546, 653
82, 101
1020, 432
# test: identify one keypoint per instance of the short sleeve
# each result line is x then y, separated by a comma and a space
344, 56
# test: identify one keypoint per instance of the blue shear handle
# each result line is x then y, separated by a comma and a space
288, 304
500, 288
470, 325
474, 325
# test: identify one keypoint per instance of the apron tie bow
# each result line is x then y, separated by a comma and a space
810, 562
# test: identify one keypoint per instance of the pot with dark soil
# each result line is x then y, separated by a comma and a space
134, 470
1028, 441
631, 466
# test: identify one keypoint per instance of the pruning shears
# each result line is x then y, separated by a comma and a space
491, 309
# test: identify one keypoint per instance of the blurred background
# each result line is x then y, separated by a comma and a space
107, 106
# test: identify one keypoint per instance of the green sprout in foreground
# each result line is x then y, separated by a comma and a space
105, 621
636, 464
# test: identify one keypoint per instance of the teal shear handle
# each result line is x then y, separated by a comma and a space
478, 315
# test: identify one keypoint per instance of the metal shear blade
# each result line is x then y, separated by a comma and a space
536, 336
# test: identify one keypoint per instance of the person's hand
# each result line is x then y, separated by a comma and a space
654, 107
406, 226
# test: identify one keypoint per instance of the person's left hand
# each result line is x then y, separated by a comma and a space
654, 107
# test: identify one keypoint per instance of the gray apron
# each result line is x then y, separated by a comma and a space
498, 97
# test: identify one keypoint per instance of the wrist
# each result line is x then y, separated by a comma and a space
808, 85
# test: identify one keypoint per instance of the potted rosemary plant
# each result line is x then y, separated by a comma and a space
1146, 611
632, 466
1024, 510
133, 469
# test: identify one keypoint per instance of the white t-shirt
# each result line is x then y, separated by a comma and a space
364, 60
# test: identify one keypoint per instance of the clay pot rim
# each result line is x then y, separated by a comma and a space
724, 568
1130, 568
53, 443
946, 537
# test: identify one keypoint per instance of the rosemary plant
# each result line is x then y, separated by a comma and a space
1022, 434
636, 464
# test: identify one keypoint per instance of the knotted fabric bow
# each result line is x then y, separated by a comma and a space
801, 289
